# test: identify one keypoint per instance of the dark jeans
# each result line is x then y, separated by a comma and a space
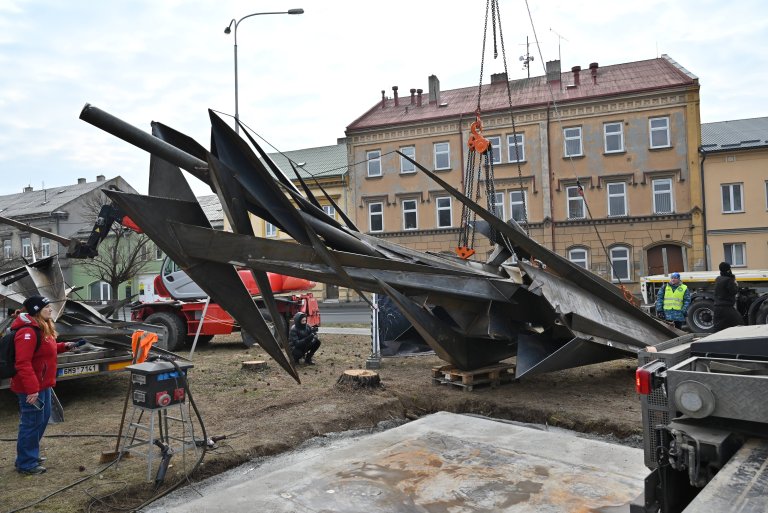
726, 317
32, 426
306, 351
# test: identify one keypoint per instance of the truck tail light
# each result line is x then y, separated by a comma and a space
643, 381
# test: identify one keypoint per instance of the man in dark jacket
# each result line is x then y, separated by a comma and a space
303, 339
725, 314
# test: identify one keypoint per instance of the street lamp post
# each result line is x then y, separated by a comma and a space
228, 30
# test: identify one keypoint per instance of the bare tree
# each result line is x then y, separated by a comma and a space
122, 255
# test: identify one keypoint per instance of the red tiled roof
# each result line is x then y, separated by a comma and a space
529, 92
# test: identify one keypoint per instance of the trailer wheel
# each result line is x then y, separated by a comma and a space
177, 332
701, 318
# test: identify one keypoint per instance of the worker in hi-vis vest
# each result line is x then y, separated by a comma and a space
673, 301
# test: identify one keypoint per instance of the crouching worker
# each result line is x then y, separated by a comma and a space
36, 350
303, 339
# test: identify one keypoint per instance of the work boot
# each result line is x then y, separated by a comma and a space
33, 471
309, 361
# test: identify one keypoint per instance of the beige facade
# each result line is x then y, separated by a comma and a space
736, 195
633, 151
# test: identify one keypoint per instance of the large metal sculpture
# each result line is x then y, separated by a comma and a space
551, 315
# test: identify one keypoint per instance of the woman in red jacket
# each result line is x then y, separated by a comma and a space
35, 375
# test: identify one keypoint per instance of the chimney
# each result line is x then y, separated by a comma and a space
418, 97
383, 99
28, 188
498, 78
434, 90
413, 96
553, 71
100, 178
394, 90
81, 180
576, 70
593, 69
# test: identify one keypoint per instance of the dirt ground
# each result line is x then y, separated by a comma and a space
265, 412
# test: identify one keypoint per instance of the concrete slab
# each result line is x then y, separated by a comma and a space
444, 463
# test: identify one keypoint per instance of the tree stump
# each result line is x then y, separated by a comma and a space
254, 365
359, 378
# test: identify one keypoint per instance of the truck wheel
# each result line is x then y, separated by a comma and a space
177, 331
762, 314
701, 318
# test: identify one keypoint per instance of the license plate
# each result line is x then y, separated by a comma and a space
80, 369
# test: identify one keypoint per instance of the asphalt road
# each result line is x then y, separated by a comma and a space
344, 313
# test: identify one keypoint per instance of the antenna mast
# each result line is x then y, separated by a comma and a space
527, 58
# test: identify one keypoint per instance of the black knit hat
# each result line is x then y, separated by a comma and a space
725, 267
34, 304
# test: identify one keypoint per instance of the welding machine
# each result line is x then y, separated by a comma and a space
159, 384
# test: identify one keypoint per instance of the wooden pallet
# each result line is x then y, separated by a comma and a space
493, 375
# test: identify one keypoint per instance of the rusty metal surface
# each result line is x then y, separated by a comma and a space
440, 463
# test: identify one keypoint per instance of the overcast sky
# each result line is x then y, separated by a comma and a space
304, 78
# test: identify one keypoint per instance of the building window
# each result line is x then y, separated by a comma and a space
45, 247
733, 198
572, 137
26, 247
406, 166
495, 149
100, 291
735, 254
7, 249
158, 253
516, 147
498, 205
579, 257
374, 162
614, 137
410, 221
376, 217
620, 263
575, 203
442, 155
270, 230
518, 203
617, 199
662, 196
329, 211
444, 213
659, 132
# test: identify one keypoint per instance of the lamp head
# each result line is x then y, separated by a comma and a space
229, 27
295, 11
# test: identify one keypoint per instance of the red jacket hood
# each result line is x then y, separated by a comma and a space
24, 320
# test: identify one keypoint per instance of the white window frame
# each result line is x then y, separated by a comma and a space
373, 163
45, 247
516, 143
579, 260
614, 194
732, 196
626, 258
518, 202
406, 166
572, 137
495, 141
660, 181
270, 230
572, 194
410, 207
617, 135
26, 247
7, 249
730, 254
442, 149
659, 129
440, 207
379, 214
498, 203
330, 211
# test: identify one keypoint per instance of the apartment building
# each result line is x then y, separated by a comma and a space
600, 164
734, 160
